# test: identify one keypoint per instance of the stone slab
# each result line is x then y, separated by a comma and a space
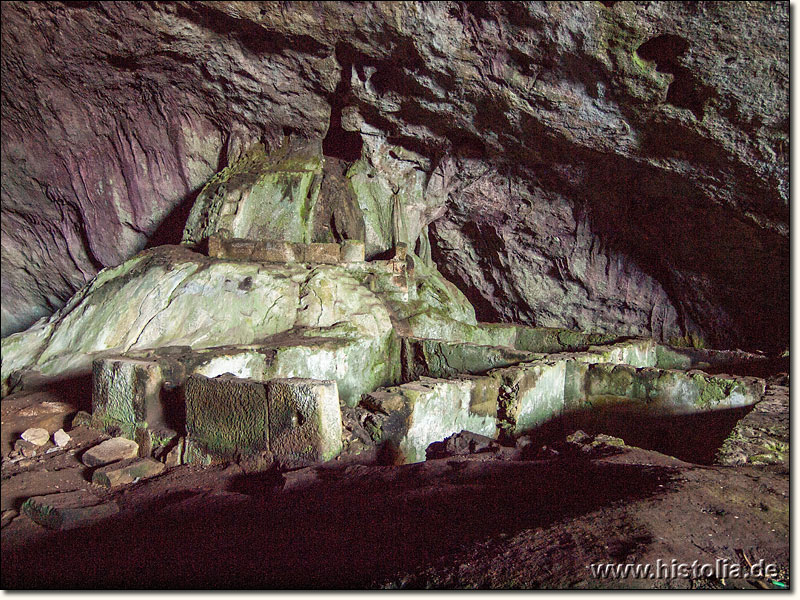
110, 451
68, 510
127, 471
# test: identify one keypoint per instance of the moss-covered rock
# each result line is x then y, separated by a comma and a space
227, 416
305, 421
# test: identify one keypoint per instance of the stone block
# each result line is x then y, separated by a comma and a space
239, 249
274, 252
68, 510
327, 254
174, 456
410, 417
305, 421
352, 251
227, 416
216, 247
664, 390
436, 358
126, 390
401, 252
110, 451
533, 393
127, 471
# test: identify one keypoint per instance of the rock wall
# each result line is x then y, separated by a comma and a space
615, 166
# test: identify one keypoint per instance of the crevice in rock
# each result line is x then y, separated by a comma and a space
685, 91
170, 230
257, 39
338, 143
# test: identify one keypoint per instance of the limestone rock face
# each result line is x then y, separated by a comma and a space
167, 296
605, 166
172, 297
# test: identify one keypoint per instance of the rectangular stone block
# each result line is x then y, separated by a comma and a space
352, 251
305, 420
215, 246
227, 416
239, 249
127, 471
126, 391
664, 390
327, 254
274, 252
533, 393
412, 416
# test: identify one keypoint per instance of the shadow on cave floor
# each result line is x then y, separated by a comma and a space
693, 438
348, 527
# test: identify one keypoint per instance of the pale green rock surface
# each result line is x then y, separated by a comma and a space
173, 297
165, 296
330, 295
534, 393
428, 411
263, 195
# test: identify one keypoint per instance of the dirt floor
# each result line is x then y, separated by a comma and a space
517, 517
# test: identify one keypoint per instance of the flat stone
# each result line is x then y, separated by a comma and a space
24, 448
226, 416
68, 510
61, 438
36, 436
305, 419
110, 451
127, 471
